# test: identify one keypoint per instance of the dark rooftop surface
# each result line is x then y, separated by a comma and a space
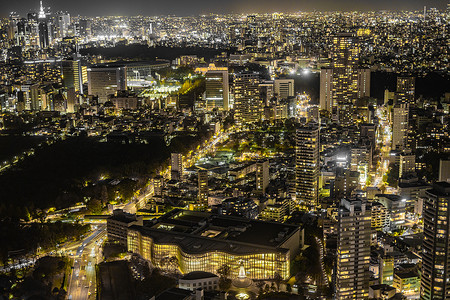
198, 275
174, 294
198, 232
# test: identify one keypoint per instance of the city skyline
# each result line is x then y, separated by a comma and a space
225, 156
178, 7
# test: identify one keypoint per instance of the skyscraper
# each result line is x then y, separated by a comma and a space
203, 188
177, 166
307, 165
406, 86
363, 82
43, 28
353, 250
400, 126
217, 89
63, 22
247, 101
262, 176
74, 74
326, 89
345, 60
436, 248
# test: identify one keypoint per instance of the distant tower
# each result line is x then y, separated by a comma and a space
43, 28
216, 93
345, 60
406, 86
247, 100
41, 12
353, 250
177, 166
203, 188
262, 176
436, 248
400, 126
307, 165
326, 89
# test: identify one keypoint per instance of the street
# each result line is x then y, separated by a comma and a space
82, 283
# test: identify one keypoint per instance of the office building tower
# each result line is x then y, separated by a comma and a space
13, 28
62, 22
436, 248
74, 74
363, 83
84, 27
444, 170
38, 98
407, 164
307, 165
266, 91
284, 88
105, 81
262, 176
345, 183
400, 117
176, 171
43, 28
406, 87
353, 250
203, 189
158, 185
326, 89
345, 60
369, 132
217, 90
247, 101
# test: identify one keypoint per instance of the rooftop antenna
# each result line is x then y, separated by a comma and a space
41, 11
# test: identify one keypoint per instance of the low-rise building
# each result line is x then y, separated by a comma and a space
199, 279
200, 241
117, 225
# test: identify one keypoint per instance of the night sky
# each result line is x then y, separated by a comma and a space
196, 7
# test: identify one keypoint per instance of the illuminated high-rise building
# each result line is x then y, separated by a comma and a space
203, 189
43, 28
62, 22
217, 89
13, 28
74, 74
345, 60
407, 164
363, 82
262, 176
176, 171
400, 117
406, 86
247, 101
326, 89
307, 165
353, 250
436, 247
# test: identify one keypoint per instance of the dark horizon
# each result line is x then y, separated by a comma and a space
199, 7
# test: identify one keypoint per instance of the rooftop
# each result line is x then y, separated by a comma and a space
198, 275
198, 232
